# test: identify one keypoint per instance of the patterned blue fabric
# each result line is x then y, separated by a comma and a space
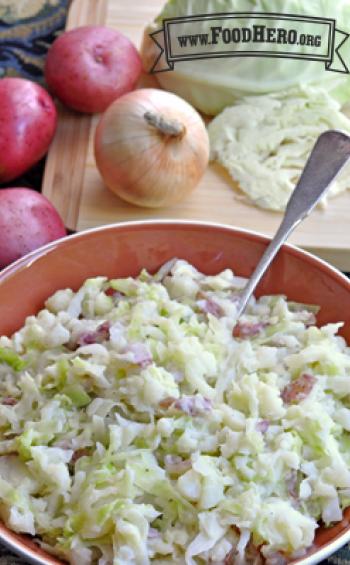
27, 29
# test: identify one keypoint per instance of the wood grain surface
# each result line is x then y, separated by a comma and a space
74, 185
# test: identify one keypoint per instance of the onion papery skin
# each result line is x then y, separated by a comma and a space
142, 164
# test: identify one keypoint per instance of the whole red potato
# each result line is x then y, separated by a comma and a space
27, 221
28, 120
90, 66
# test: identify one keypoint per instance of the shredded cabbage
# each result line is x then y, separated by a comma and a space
140, 423
267, 167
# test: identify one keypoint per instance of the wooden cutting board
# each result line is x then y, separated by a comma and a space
73, 184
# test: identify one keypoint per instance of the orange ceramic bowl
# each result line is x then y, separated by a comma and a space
124, 249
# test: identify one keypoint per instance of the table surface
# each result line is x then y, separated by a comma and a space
27, 28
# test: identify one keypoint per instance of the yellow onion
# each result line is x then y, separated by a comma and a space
151, 147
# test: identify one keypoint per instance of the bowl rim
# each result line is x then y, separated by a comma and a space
29, 553
27, 259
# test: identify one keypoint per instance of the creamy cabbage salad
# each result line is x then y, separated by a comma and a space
141, 424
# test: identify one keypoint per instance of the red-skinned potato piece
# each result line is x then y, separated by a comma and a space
27, 221
90, 66
27, 124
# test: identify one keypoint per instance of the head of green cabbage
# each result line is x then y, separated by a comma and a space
212, 84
